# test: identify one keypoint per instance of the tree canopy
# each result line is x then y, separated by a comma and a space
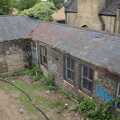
35, 8
41, 10
25, 4
58, 3
5, 6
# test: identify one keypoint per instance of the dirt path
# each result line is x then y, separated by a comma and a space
8, 108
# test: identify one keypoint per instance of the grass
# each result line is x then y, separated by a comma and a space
32, 90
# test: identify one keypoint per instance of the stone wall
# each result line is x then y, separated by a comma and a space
88, 15
12, 55
102, 77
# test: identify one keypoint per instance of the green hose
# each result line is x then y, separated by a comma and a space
27, 95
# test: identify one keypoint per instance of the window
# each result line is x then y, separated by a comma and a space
34, 53
69, 68
43, 55
118, 90
87, 76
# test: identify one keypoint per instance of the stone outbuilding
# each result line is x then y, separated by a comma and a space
14, 46
85, 61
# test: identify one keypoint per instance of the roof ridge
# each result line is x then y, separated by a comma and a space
80, 28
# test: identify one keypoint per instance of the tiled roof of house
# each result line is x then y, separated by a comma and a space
15, 27
71, 6
111, 9
98, 48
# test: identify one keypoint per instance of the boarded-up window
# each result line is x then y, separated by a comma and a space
69, 67
87, 76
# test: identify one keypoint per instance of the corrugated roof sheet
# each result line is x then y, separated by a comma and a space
98, 48
111, 9
71, 6
15, 27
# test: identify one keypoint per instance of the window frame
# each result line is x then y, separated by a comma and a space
87, 78
43, 55
34, 53
70, 68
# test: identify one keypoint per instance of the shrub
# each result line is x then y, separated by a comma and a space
87, 105
49, 81
41, 10
103, 112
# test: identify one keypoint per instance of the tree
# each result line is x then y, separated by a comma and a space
5, 6
58, 3
41, 10
25, 4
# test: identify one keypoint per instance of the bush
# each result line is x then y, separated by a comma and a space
87, 105
41, 10
103, 112
49, 81
35, 72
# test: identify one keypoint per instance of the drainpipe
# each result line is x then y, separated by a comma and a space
37, 53
37, 56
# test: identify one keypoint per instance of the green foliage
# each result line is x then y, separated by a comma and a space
24, 4
5, 6
41, 10
58, 3
49, 82
35, 72
87, 105
103, 112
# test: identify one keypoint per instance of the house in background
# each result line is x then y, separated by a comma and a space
84, 61
103, 15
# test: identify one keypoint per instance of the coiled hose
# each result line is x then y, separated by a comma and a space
26, 94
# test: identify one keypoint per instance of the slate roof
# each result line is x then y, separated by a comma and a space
98, 48
111, 9
71, 6
15, 27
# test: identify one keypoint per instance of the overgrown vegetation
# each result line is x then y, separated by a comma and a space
88, 108
39, 9
36, 74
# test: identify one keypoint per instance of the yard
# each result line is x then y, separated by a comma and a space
14, 105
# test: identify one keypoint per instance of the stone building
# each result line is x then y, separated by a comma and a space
84, 61
13, 42
94, 14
